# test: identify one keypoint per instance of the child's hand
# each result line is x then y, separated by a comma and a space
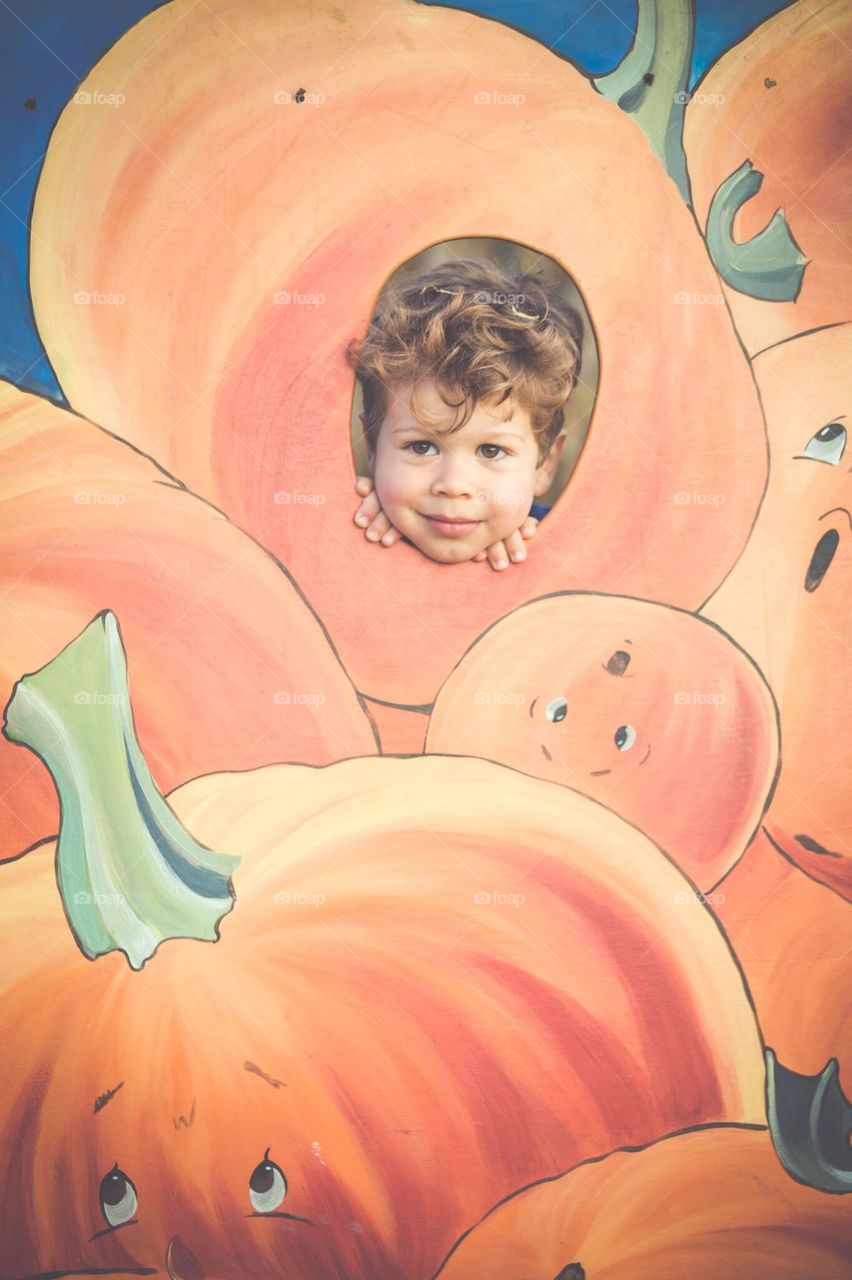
509, 550
371, 518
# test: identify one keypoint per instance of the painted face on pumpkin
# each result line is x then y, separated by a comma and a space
787, 600
454, 493
638, 705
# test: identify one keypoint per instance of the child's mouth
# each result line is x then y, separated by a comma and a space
451, 527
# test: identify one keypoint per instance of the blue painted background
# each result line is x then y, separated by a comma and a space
48, 46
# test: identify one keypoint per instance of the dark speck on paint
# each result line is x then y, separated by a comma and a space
648, 77
769, 84
30, 104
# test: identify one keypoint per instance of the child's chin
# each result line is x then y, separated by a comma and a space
452, 553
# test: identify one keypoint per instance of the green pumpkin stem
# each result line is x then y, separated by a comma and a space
650, 81
129, 873
810, 1121
770, 265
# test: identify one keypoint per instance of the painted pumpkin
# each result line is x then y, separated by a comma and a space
782, 100
767, 143
788, 600
792, 937
290, 212
716, 1202
439, 980
646, 708
230, 667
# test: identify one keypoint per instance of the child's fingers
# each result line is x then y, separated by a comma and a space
393, 535
378, 528
480, 555
363, 485
529, 527
498, 557
515, 548
367, 511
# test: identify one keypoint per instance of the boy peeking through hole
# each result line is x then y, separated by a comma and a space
465, 372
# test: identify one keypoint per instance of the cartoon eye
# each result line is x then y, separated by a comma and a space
118, 1197
827, 445
625, 736
556, 710
267, 1185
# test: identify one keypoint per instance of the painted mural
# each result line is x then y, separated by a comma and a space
425, 589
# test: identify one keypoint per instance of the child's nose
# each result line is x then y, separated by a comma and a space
453, 478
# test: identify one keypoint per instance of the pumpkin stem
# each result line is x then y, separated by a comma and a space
130, 875
650, 81
770, 265
810, 1120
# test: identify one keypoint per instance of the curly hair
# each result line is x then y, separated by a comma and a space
484, 335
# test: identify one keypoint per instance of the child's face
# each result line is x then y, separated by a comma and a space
454, 494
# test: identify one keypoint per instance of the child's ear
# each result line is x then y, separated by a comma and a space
547, 468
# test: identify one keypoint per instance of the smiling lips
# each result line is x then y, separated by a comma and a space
451, 526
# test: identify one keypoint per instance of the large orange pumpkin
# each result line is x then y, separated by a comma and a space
439, 980
277, 223
644, 707
793, 938
783, 101
695, 1206
230, 667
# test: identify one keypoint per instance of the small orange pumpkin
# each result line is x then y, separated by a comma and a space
439, 980
230, 667
227, 359
714, 1202
643, 707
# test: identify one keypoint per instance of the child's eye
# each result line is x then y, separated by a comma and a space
420, 447
491, 451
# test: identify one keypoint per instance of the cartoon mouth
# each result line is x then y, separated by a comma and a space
813, 846
824, 551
